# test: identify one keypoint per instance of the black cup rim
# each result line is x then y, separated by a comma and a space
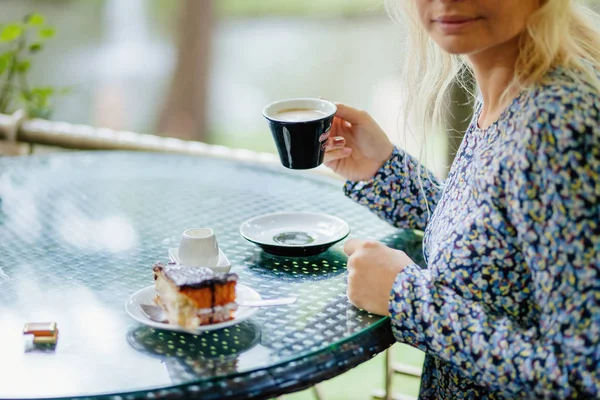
328, 116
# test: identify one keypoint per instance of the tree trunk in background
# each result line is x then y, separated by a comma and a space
184, 113
461, 112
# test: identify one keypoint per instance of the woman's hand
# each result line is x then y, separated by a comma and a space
372, 270
357, 146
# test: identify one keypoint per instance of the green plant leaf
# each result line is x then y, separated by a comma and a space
38, 102
36, 111
5, 60
42, 91
3, 65
35, 19
35, 47
23, 66
47, 32
11, 32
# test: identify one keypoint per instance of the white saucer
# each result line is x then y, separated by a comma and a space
295, 233
146, 296
223, 265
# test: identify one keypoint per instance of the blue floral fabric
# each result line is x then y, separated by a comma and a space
508, 305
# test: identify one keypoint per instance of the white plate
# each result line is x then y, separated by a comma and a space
146, 296
223, 265
295, 233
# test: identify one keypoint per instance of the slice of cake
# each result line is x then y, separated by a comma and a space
194, 296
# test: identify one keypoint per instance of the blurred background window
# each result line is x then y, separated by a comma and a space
204, 69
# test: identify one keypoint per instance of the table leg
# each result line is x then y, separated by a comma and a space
317, 393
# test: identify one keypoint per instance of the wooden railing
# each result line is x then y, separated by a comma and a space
16, 128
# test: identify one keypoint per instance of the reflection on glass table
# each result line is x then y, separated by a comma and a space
79, 233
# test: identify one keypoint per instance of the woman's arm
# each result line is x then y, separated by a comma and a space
554, 198
380, 176
399, 193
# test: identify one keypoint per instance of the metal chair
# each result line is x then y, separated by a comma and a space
392, 368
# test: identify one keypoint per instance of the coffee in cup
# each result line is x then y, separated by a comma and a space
300, 128
299, 115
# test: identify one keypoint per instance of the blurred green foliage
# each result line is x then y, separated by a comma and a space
295, 7
19, 42
164, 9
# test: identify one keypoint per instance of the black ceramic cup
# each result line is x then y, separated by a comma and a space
300, 128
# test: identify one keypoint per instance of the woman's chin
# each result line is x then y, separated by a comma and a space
457, 45
457, 48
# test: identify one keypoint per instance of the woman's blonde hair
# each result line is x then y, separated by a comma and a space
560, 33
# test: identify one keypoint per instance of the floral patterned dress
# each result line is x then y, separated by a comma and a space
509, 303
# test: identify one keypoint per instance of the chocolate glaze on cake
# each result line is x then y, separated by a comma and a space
192, 277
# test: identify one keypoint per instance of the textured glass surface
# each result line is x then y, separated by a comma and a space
79, 233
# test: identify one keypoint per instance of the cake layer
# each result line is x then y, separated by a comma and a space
216, 295
196, 296
192, 277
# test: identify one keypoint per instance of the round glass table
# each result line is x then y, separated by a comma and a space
79, 233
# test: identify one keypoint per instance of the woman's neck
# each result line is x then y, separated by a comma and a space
494, 70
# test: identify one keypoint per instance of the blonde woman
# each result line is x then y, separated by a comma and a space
508, 305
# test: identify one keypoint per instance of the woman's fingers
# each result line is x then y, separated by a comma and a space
336, 126
337, 154
340, 127
350, 114
336, 142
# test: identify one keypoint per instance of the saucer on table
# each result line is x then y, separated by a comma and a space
295, 233
223, 265
146, 296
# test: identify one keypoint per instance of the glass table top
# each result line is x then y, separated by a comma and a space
79, 233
